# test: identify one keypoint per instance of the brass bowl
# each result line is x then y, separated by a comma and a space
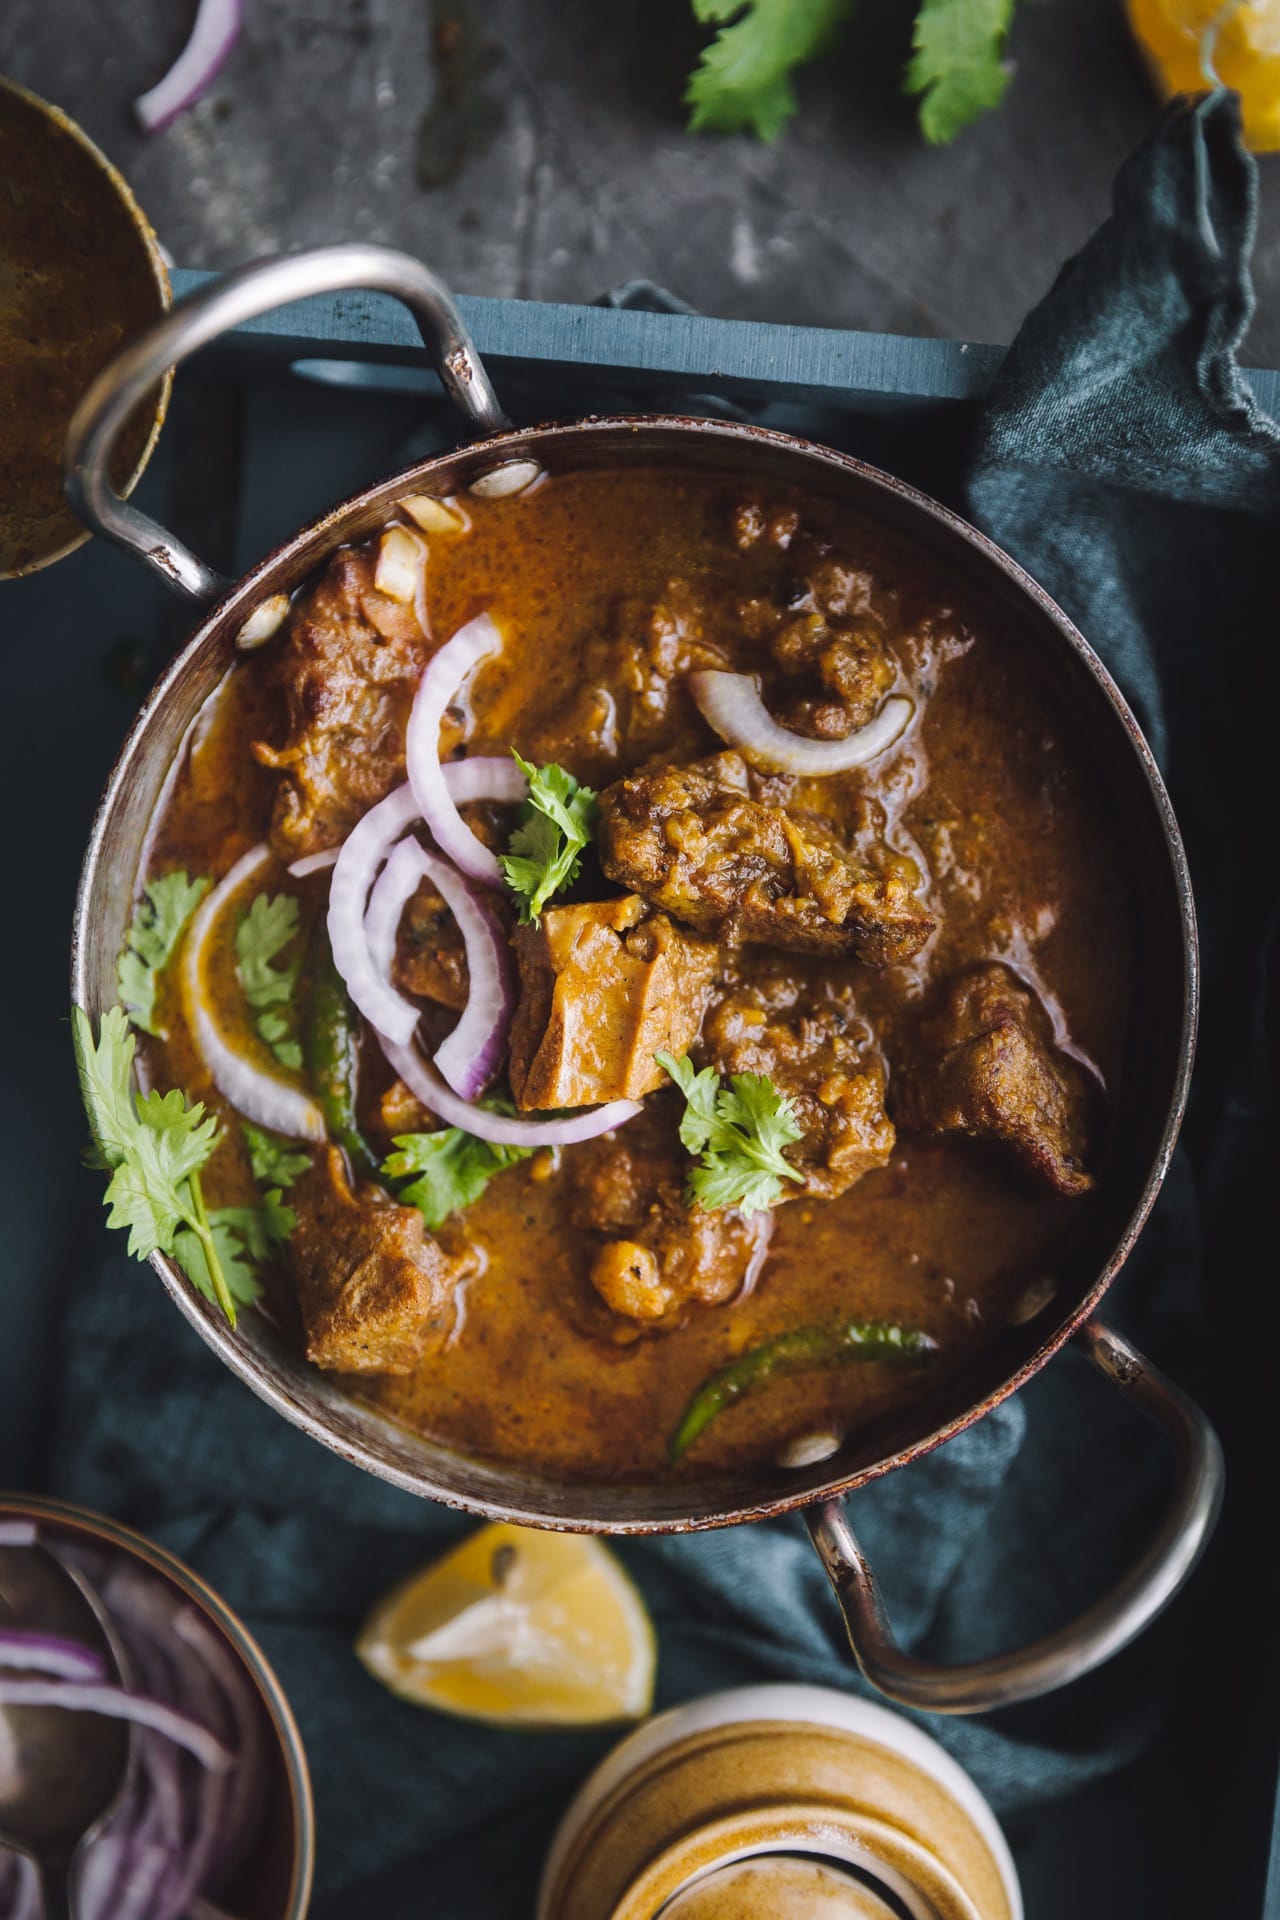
277, 1886
80, 273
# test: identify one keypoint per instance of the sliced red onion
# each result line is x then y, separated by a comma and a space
485, 776
363, 852
434, 1092
116, 1704
24, 1652
20, 1897
731, 704
468, 1058
314, 862
212, 37
761, 1225
260, 1096
446, 672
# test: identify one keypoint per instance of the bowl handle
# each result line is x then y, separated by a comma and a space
200, 318
977, 1686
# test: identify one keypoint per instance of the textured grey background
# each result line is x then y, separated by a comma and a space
553, 131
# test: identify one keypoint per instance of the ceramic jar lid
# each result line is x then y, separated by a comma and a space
784, 1778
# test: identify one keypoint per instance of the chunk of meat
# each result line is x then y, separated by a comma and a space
631, 676
834, 675
695, 841
654, 1256
431, 955
985, 1068
603, 988
375, 1290
348, 663
431, 958
817, 1049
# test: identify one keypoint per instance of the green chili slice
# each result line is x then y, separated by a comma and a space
792, 1352
329, 1042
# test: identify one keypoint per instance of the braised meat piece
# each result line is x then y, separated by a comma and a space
653, 1254
375, 1290
630, 678
985, 1067
834, 675
431, 958
695, 841
817, 1049
349, 663
603, 988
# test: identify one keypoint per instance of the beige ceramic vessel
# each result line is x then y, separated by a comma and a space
779, 1803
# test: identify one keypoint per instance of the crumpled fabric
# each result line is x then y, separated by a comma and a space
1120, 458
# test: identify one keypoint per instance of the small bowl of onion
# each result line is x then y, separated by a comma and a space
216, 1815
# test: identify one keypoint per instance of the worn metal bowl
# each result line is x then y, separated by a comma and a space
1161, 1039
277, 1883
80, 273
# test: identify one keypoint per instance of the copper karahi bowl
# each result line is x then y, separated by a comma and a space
1151, 1104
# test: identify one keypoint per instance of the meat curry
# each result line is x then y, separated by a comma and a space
769, 907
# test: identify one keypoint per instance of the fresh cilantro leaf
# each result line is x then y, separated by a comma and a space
700, 1091
545, 851
957, 66
279, 1221
744, 76
739, 1131
270, 1158
106, 1081
235, 1258
155, 1145
453, 1170
266, 928
166, 906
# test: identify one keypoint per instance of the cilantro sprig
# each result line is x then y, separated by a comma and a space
266, 928
743, 79
273, 1162
744, 76
957, 64
166, 906
453, 1169
154, 1146
545, 851
739, 1132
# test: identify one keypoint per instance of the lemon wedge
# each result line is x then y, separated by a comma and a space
517, 1627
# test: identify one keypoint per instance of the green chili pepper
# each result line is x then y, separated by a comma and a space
790, 1352
330, 1047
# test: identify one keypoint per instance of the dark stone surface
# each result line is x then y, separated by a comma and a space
553, 133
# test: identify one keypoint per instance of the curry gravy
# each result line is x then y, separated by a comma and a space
992, 793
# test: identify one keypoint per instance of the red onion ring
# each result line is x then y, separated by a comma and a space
47, 1653
261, 1097
482, 776
485, 776
314, 862
362, 853
761, 1225
468, 1058
118, 1704
217, 25
473, 643
434, 1092
731, 704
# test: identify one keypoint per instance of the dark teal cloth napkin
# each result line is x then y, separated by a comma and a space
1121, 460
